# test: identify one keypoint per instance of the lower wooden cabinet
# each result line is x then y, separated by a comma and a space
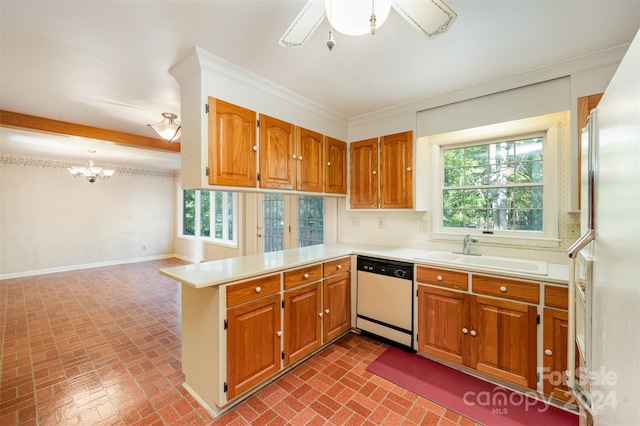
496, 337
442, 317
556, 332
253, 343
302, 322
503, 339
336, 301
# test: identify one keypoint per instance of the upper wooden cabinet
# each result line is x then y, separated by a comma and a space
309, 170
232, 144
335, 157
277, 154
393, 180
364, 171
396, 171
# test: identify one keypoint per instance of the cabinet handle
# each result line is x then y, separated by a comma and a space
300, 158
306, 276
279, 333
328, 163
294, 156
326, 311
548, 352
320, 314
374, 172
473, 333
255, 147
258, 289
339, 266
465, 331
503, 289
439, 278
408, 169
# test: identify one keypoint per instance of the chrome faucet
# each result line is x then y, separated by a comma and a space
468, 239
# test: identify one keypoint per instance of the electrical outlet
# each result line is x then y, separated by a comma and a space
424, 224
144, 247
381, 222
355, 221
573, 230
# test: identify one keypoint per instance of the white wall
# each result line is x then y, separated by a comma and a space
51, 221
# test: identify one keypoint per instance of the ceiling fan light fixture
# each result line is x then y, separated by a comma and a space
357, 17
168, 129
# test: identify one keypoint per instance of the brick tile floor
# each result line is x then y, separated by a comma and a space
101, 346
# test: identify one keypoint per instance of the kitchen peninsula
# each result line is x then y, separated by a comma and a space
247, 320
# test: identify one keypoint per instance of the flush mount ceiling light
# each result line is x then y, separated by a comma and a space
168, 129
93, 172
359, 17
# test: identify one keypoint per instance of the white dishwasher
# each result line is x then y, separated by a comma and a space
384, 304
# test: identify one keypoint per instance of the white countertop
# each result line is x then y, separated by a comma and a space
224, 271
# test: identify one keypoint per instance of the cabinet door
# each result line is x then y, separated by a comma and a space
310, 168
364, 174
396, 171
232, 144
253, 344
503, 340
556, 332
335, 156
337, 305
443, 324
302, 326
277, 157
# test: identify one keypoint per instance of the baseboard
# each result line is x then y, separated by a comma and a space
83, 266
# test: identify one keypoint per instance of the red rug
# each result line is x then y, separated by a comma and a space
476, 399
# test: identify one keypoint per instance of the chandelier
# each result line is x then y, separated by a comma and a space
93, 172
168, 129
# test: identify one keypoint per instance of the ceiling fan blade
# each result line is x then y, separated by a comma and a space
304, 24
430, 17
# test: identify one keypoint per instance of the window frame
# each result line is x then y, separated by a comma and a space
518, 129
290, 237
226, 242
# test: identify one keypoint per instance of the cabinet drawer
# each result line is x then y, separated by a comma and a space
508, 289
252, 290
336, 266
301, 276
556, 297
443, 278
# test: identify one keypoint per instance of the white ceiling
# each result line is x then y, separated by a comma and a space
105, 63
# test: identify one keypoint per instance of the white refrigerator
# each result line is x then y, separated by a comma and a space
613, 370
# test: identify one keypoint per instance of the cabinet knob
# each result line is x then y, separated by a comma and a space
374, 172
320, 314
339, 266
473, 333
279, 333
255, 148
294, 156
408, 169
439, 278
548, 352
326, 311
258, 289
503, 289
300, 158
465, 331
328, 163
306, 276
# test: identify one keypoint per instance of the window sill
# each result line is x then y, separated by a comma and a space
210, 241
514, 240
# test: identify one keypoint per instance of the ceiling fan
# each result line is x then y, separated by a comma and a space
429, 17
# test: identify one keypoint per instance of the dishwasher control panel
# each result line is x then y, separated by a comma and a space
390, 268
